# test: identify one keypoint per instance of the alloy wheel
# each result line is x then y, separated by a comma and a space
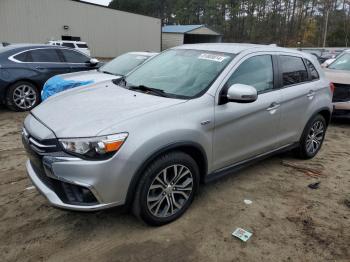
24, 97
315, 137
169, 191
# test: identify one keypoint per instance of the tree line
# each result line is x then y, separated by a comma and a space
283, 22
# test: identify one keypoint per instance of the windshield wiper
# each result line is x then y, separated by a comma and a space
143, 88
109, 73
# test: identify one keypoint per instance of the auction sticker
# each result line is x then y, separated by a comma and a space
212, 57
242, 234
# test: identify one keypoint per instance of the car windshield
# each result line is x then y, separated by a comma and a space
341, 63
180, 72
123, 64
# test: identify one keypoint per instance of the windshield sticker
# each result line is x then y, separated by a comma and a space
141, 57
212, 57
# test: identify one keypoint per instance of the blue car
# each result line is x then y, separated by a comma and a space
25, 68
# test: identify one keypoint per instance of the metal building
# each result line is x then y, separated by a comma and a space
174, 35
108, 32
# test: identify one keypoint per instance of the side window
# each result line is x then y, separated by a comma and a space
312, 69
71, 45
23, 57
82, 45
293, 70
71, 56
256, 71
45, 55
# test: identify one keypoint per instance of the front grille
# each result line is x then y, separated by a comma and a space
341, 93
68, 193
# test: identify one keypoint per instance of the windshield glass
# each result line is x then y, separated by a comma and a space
123, 64
184, 73
341, 63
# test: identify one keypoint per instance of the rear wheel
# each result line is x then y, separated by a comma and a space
166, 189
312, 138
22, 96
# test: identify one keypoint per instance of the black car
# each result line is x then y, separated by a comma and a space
24, 69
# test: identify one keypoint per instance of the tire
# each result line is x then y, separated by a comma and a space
166, 201
312, 138
22, 96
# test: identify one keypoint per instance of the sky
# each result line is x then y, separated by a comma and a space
100, 2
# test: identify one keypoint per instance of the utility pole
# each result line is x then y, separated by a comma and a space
326, 27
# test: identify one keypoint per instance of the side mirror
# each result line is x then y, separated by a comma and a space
93, 61
240, 93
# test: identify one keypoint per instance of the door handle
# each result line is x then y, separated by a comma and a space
311, 94
273, 106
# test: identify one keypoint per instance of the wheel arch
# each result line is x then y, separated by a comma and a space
195, 150
326, 113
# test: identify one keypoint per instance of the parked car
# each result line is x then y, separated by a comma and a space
25, 69
78, 45
338, 72
192, 114
114, 69
336, 54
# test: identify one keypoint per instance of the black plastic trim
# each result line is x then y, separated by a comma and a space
240, 165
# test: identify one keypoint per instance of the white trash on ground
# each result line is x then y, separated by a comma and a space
242, 234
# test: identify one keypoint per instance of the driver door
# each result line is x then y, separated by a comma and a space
245, 130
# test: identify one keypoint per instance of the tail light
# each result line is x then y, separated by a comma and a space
332, 87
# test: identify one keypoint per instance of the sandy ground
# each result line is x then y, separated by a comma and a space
289, 221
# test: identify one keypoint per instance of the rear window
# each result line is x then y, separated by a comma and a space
82, 45
45, 55
70, 45
293, 70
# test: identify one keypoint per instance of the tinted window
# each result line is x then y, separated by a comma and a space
24, 57
71, 56
45, 55
312, 69
71, 45
293, 70
82, 45
255, 71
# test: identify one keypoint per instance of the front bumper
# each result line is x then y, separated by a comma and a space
53, 197
341, 109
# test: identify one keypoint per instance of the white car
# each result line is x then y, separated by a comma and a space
116, 68
78, 45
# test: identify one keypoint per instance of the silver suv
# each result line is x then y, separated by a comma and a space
187, 116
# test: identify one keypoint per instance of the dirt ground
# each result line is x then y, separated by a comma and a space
289, 221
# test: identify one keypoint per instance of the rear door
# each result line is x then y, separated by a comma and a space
76, 60
246, 130
46, 62
299, 89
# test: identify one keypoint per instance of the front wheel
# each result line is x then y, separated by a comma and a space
312, 137
166, 189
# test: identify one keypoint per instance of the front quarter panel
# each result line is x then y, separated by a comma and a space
157, 130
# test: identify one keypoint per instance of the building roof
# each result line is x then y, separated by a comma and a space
181, 29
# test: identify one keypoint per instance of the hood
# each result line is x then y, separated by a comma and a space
86, 111
338, 76
89, 75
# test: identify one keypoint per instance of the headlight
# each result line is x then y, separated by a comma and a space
94, 148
